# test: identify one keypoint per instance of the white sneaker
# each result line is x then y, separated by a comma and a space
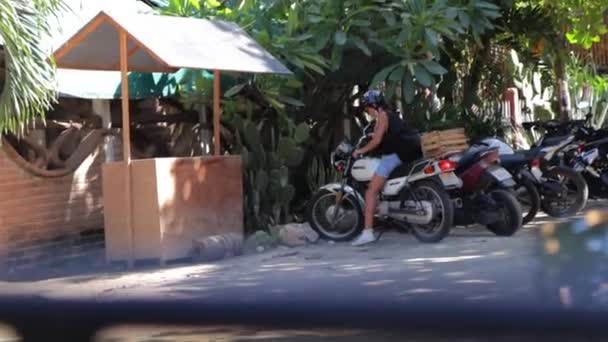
367, 236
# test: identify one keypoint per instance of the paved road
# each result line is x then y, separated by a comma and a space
471, 266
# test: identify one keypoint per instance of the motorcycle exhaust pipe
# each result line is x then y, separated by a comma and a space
412, 212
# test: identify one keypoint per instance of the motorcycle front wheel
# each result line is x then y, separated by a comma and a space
334, 219
529, 199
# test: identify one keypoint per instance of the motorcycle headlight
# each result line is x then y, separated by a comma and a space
343, 149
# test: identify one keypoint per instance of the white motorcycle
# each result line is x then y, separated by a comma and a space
414, 195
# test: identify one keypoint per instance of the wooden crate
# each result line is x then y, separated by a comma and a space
436, 143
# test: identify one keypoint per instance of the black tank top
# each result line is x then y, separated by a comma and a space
400, 140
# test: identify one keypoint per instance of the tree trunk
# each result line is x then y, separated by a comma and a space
563, 93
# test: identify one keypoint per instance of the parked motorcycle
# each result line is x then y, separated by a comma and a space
414, 195
486, 196
563, 190
556, 189
589, 156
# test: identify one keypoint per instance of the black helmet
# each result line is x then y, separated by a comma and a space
373, 98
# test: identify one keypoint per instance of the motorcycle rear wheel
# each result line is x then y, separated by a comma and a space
582, 193
438, 229
512, 220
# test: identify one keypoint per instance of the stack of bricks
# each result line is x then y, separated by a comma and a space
48, 220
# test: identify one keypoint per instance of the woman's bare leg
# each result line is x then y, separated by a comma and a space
371, 199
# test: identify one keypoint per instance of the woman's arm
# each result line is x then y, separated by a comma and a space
379, 130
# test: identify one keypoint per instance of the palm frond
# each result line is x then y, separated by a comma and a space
29, 85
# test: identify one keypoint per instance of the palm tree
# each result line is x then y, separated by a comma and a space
28, 88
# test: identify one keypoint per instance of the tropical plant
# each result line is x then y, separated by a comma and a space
268, 188
587, 86
338, 49
575, 22
417, 30
28, 89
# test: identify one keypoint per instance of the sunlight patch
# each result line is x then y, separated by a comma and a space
444, 259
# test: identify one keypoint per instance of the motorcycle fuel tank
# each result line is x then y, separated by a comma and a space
363, 169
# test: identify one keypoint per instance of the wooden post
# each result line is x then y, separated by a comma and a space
217, 146
126, 142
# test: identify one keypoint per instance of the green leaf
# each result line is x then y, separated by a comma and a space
487, 5
361, 22
302, 133
431, 37
317, 59
291, 101
391, 91
464, 18
434, 68
322, 38
234, 90
451, 13
252, 136
289, 151
409, 89
293, 83
275, 103
314, 19
336, 56
389, 17
340, 37
382, 75
302, 37
572, 37
262, 181
314, 67
361, 45
245, 155
397, 74
297, 62
422, 76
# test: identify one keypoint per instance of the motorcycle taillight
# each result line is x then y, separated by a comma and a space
535, 163
580, 148
447, 165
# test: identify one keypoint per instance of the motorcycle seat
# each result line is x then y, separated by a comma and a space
403, 170
552, 141
516, 160
471, 156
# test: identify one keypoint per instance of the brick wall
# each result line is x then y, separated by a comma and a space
47, 219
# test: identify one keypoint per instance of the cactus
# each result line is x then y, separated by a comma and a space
320, 174
268, 192
289, 151
302, 133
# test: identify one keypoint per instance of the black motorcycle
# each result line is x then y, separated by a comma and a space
588, 156
543, 182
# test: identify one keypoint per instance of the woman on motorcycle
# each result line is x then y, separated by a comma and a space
388, 140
